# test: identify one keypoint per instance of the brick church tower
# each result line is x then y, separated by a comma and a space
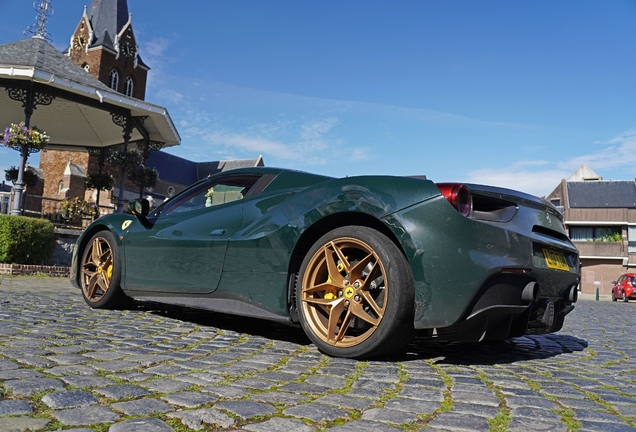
104, 45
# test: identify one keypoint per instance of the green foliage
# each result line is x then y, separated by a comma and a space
128, 160
25, 240
611, 238
30, 177
98, 181
143, 176
133, 163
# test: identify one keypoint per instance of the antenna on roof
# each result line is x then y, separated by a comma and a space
44, 10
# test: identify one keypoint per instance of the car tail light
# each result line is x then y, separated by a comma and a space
458, 196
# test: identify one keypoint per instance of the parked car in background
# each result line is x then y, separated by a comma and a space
361, 263
624, 288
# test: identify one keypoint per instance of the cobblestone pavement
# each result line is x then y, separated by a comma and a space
64, 366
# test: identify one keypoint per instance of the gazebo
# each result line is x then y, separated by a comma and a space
44, 87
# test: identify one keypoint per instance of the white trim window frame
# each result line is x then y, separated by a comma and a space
128, 86
113, 80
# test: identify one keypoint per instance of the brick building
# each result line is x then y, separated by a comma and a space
600, 217
104, 45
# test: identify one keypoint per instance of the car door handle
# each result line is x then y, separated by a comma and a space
217, 232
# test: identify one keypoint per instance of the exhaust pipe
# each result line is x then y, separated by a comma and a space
573, 293
531, 292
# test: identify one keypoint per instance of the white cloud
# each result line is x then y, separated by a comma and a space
153, 53
361, 154
618, 152
170, 96
253, 144
157, 47
538, 183
291, 142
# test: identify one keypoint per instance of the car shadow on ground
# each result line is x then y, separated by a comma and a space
524, 348
530, 347
239, 324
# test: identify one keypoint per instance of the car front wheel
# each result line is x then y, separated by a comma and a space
613, 296
625, 297
355, 294
101, 273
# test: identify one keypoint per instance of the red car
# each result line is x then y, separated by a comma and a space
625, 287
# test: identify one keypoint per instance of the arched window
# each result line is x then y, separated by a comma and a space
86, 67
60, 186
113, 80
128, 86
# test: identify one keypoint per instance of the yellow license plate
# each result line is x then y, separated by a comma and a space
555, 260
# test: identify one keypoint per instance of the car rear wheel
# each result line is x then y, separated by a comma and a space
101, 273
355, 294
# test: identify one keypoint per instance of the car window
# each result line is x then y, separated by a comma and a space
212, 193
632, 281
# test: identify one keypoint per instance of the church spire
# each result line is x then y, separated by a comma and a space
107, 18
104, 44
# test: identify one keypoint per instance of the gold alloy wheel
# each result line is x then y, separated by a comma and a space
343, 292
97, 269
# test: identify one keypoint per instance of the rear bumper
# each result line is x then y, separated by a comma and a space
502, 309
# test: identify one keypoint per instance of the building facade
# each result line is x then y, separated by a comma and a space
600, 218
104, 45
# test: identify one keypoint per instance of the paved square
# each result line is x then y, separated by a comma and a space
64, 365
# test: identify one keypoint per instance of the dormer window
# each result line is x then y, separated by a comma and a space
128, 86
113, 80
86, 67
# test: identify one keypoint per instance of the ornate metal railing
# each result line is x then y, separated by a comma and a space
49, 208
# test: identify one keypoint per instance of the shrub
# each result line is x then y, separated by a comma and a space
25, 240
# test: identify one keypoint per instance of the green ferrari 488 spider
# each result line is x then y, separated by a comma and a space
361, 263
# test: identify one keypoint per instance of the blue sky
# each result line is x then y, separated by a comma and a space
515, 94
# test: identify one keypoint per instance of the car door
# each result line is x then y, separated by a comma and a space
618, 288
184, 249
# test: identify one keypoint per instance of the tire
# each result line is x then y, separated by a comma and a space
625, 300
101, 273
613, 296
356, 275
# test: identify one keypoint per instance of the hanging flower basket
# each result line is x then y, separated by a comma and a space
103, 181
143, 176
19, 137
129, 160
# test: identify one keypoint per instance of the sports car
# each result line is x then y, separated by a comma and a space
361, 263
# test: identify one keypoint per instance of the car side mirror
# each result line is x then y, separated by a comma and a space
139, 207
613, 282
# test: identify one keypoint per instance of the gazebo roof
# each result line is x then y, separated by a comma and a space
83, 110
